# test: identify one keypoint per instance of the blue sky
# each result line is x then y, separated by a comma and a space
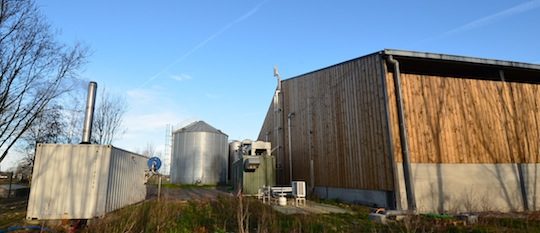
179, 61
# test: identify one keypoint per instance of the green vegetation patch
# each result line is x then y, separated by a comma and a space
233, 214
226, 214
229, 214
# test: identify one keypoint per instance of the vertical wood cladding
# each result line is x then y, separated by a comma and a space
467, 120
345, 119
340, 123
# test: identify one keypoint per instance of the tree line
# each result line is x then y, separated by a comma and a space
42, 97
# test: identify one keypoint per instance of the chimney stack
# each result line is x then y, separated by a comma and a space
89, 114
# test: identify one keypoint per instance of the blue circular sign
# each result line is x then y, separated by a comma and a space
154, 163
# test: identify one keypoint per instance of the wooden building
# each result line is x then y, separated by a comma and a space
412, 130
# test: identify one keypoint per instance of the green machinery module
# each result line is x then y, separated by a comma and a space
253, 166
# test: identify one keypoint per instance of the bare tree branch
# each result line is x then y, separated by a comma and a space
35, 69
108, 118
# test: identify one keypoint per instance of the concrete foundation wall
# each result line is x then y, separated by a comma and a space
471, 187
374, 198
532, 182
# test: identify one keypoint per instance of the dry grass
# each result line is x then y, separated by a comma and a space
229, 214
226, 214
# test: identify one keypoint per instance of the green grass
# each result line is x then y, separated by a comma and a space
221, 215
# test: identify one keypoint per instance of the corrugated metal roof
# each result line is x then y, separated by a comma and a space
199, 126
455, 58
435, 57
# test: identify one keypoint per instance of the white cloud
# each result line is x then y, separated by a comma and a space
151, 129
150, 110
142, 95
486, 20
143, 123
181, 77
203, 43
211, 96
517, 9
147, 129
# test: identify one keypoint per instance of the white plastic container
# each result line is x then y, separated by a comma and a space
84, 181
299, 189
282, 201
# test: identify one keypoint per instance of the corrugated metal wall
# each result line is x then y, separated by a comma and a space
199, 158
66, 181
84, 181
465, 120
339, 123
126, 179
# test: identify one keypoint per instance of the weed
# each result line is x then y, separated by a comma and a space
222, 215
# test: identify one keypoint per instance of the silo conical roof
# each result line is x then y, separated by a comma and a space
199, 126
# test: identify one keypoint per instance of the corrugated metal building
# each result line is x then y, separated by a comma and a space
84, 181
199, 155
469, 126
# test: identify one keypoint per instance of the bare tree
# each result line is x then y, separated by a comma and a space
108, 118
49, 127
73, 112
149, 151
34, 69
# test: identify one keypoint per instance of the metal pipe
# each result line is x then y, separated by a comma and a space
278, 120
291, 115
395, 199
159, 188
311, 175
89, 114
311, 166
409, 186
279, 155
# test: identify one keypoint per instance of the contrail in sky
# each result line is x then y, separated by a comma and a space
517, 9
206, 41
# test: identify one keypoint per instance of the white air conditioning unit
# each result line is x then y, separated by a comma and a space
299, 189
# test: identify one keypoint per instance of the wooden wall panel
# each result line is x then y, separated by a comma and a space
340, 124
465, 120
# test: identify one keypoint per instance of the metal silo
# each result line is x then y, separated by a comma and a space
234, 154
200, 155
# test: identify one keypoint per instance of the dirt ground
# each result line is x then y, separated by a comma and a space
187, 194
12, 211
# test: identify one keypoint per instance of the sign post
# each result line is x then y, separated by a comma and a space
154, 164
